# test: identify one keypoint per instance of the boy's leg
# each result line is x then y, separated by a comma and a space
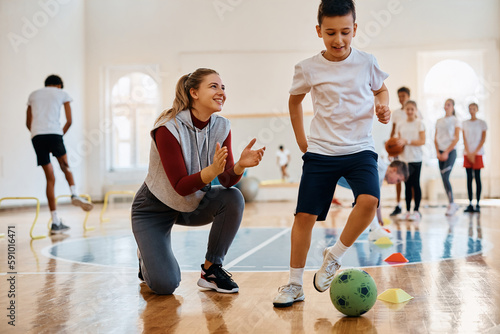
397, 209
57, 226
75, 199
301, 238
360, 218
51, 181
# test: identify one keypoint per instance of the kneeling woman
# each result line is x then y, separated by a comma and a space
190, 147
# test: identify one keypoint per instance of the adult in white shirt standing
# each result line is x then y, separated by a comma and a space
42, 119
445, 140
474, 138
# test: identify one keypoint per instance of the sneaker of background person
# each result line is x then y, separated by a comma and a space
397, 211
58, 228
81, 202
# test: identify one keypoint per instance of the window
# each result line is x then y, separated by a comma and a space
454, 75
134, 105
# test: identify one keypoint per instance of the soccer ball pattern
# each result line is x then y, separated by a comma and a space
353, 292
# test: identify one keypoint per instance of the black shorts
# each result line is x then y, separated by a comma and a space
45, 144
320, 174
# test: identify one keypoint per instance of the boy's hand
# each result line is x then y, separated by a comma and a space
383, 113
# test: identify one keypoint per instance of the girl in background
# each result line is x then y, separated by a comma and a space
411, 133
474, 131
445, 140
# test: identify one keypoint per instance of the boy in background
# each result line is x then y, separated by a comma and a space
42, 119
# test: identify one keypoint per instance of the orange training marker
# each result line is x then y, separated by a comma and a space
396, 257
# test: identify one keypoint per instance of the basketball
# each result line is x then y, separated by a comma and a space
353, 292
392, 147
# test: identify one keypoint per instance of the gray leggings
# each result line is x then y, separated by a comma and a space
152, 222
446, 167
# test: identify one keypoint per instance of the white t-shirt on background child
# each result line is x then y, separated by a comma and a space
473, 131
410, 131
46, 106
445, 131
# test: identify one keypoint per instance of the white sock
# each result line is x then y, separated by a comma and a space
399, 205
338, 250
55, 219
374, 225
296, 276
73, 190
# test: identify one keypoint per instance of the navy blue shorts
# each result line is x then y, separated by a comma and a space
46, 144
320, 174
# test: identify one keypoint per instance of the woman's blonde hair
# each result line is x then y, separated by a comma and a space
183, 99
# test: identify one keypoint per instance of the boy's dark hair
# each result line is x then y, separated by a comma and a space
474, 104
54, 80
281, 147
330, 8
402, 168
404, 90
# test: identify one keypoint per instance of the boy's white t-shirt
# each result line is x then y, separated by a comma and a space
473, 132
46, 106
343, 101
445, 131
410, 131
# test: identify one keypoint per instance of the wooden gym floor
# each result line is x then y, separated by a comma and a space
87, 282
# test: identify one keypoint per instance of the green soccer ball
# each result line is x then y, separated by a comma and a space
353, 292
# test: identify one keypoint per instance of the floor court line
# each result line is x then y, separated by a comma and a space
256, 248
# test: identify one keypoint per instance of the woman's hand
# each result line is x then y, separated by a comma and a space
444, 156
249, 157
217, 167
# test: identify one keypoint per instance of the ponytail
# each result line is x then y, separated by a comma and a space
183, 100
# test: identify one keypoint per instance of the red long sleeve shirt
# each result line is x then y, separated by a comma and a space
173, 162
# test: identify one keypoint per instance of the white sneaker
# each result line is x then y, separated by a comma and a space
324, 276
452, 209
378, 233
81, 202
288, 294
405, 216
415, 216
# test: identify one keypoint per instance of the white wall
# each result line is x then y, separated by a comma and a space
253, 44
38, 39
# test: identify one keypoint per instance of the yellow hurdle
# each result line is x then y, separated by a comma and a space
106, 197
85, 227
36, 216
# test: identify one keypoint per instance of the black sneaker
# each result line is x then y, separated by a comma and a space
218, 279
396, 211
477, 208
57, 229
469, 208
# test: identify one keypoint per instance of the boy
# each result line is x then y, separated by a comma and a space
42, 119
393, 173
343, 82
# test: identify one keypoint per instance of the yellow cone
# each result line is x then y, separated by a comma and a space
394, 296
386, 221
383, 241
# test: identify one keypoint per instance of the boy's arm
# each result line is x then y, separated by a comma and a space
67, 111
382, 105
297, 118
29, 118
